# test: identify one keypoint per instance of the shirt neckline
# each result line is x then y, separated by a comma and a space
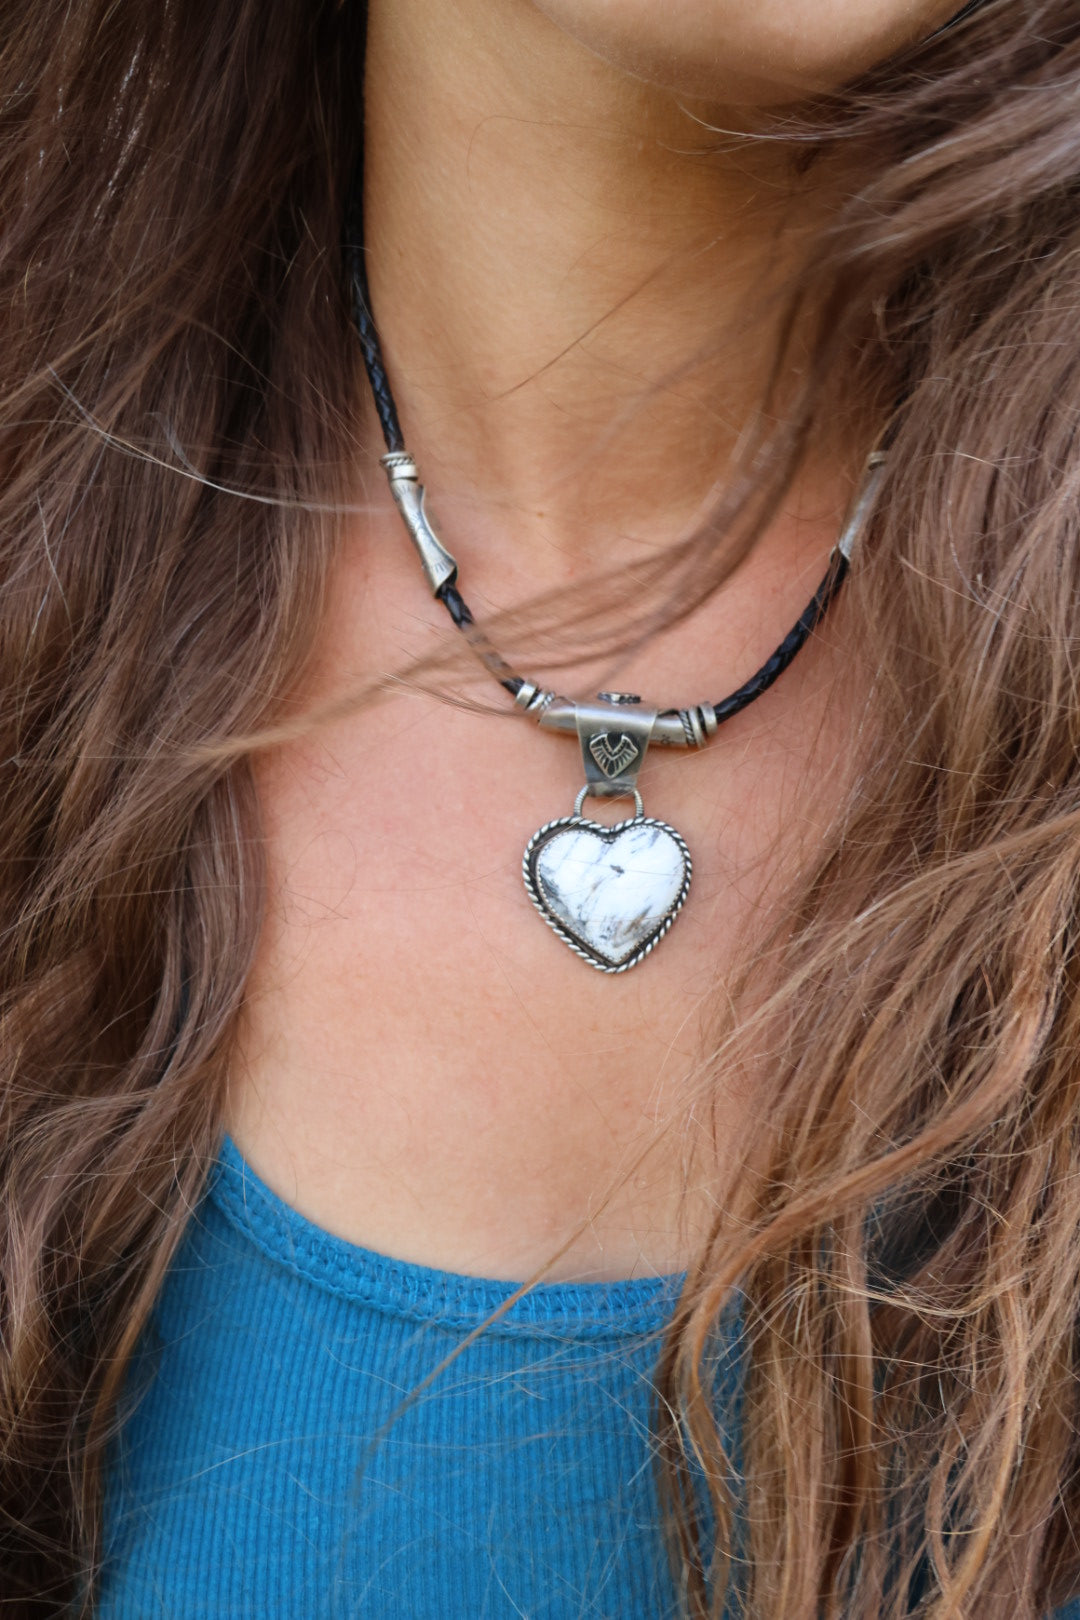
607, 1309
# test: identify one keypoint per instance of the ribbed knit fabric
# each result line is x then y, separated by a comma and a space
255, 1478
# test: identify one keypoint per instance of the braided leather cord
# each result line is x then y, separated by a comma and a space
365, 325
452, 599
792, 643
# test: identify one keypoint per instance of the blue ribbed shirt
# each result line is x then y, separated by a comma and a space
267, 1467
271, 1465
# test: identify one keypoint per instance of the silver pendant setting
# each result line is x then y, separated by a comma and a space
610, 893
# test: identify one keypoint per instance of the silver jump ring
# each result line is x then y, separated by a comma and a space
639, 807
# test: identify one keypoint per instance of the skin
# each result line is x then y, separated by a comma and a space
572, 278
741, 54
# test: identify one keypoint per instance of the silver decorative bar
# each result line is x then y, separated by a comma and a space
556, 713
875, 469
439, 566
614, 733
534, 700
672, 731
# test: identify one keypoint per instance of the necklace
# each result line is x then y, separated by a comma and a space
611, 893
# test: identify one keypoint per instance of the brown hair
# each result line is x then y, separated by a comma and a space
176, 429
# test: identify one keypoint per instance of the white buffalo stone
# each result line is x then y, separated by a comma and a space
612, 894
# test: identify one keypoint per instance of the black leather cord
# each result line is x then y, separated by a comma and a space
795, 639
365, 325
452, 599
457, 607
373, 361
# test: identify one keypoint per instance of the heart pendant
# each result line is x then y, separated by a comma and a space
611, 893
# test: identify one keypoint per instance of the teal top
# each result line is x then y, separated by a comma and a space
272, 1467
269, 1468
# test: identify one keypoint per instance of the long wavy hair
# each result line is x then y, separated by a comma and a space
177, 433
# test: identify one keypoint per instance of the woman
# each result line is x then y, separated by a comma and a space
300, 1093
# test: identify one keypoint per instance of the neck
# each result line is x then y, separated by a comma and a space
574, 280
